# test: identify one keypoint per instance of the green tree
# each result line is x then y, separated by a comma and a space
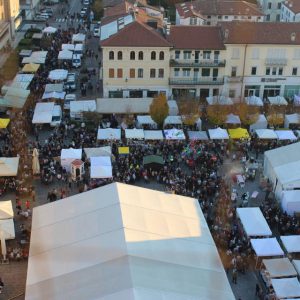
159, 110
190, 111
97, 8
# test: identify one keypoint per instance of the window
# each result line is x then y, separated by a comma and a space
177, 54
186, 72
206, 54
219, 17
132, 55
152, 73
111, 73
153, 55
208, 17
235, 53
111, 55
207, 23
279, 5
140, 73
187, 54
141, 55
280, 71
160, 73
120, 55
233, 71
215, 92
120, 73
176, 72
278, 18
205, 72
268, 71
253, 70
294, 71
193, 21
274, 69
255, 53
226, 17
268, 18
132, 73
231, 93
269, 5
161, 55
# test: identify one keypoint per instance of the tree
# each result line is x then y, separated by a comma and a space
159, 110
217, 113
190, 111
98, 10
248, 113
275, 115
92, 117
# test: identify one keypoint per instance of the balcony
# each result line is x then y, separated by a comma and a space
196, 81
197, 63
275, 61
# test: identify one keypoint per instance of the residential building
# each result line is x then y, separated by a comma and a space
210, 12
290, 11
271, 9
135, 62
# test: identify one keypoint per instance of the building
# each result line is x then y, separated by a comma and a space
210, 12
29, 8
290, 11
135, 62
122, 242
271, 9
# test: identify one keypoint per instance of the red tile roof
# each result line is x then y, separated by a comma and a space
260, 33
293, 5
136, 34
196, 37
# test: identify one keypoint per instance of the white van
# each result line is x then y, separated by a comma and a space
79, 49
76, 61
56, 116
69, 98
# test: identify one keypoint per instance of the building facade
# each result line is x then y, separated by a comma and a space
271, 9
290, 11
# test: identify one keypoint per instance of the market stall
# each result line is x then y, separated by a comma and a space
284, 135
173, 120
58, 74
238, 133
296, 263
291, 120
65, 55
286, 288
266, 247
145, 120
218, 134
134, 134
69, 155
6, 210
109, 134
174, 134
43, 113
266, 134
36, 57
153, 135
291, 243
101, 167
254, 101
49, 30
277, 100
77, 108
290, 202
279, 267
54, 87
4, 123
198, 135
54, 95
99, 151
9, 166
219, 100
78, 38
14, 97
233, 119
261, 123
30, 68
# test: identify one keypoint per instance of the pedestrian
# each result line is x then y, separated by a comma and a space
27, 204
234, 275
33, 194
1, 285
18, 205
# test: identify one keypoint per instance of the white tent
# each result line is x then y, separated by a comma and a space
153, 135
174, 134
54, 87
296, 263
8, 228
145, 120
266, 247
95, 152
14, 97
290, 202
69, 47
261, 123
134, 133
291, 243
78, 107
6, 210
55, 95
173, 108
173, 120
291, 119
9, 166
101, 167
49, 30
21, 81
218, 134
279, 267
198, 135
233, 119
65, 55
278, 100
286, 288
43, 113
254, 101
68, 155
266, 134
58, 74
78, 38
36, 57
109, 134
117, 234
253, 221
285, 135
221, 100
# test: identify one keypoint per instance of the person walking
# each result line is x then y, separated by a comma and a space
234, 276
27, 204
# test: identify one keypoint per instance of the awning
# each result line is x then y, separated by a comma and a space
145, 120
95, 152
238, 133
218, 134
233, 119
6, 210
286, 287
285, 135
69, 47
4, 123
54, 87
174, 134
254, 101
291, 243
30, 68
123, 150
109, 134
55, 95
278, 100
266, 247
279, 267
153, 135
58, 74
266, 134
134, 133
198, 135
101, 167
78, 38
49, 29
37, 57
14, 97
21, 81
9, 166
8, 227
65, 54
173, 120
43, 113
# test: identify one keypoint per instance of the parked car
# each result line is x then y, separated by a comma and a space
96, 31
86, 2
83, 12
68, 99
40, 17
48, 11
70, 84
76, 60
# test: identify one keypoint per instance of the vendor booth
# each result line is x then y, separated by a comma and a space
78, 107
9, 166
145, 120
284, 135
109, 134
218, 134
36, 57
49, 30
30, 68
65, 55
277, 100
153, 135
290, 202
78, 38
54, 87
153, 161
238, 133
174, 134
54, 95
198, 135
286, 288
69, 47
6, 210
101, 167
134, 134
95, 152
69, 155
266, 247
14, 97
173, 120
291, 243
291, 120
4, 123
58, 74
43, 113
254, 101
261, 123
279, 267
233, 119
266, 134
219, 100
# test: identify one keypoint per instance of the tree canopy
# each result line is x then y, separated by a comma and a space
159, 109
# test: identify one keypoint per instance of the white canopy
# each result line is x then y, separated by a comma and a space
8, 228
173, 108
198, 135
36, 57
290, 202
69, 47
153, 135
6, 210
58, 74
14, 97
233, 119
109, 134
101, 167
77, 107
9, 166
78, 38
285, 135
49, 29
54, 95
296, 263
291, 119
253, 221
95, 152
291, 243
124, 238
221, 100
173, 120
255, 101
261, 123
266, 247
65, 54
266, 134
134, 133
218, 134
43, 113
68, 155
21, 81
145, 120
278, 100
279, 267
286, 287
174, 134
54, 87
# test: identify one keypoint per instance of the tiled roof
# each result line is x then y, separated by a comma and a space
116, 10
136, 34
196, 37
293, 5
261, 33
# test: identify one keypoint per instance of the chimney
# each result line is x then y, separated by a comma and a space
293, 37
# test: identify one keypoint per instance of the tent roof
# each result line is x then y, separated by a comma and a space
6, 210
36, 57
21, 81
4, 123
54, 87
176, 120
266, 134
149, 159
151, 243
82, 105
58, 74
285, 135
67, 47
100, 151
43, 113
292, 118
14, 97
238, 133
78, 37
198, 135
134, 133
30, 68
291, 243
218, 134
220, 100
8, 228
233, 119
266, 247
278, 100
174, 134
153, 135
144, 120
71, 153
65, 54
109, 134
253, 221
288, 173
49, 29
296, 263
101, 167
55, 95
279, 267
286, 287
9, 166
255, 101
